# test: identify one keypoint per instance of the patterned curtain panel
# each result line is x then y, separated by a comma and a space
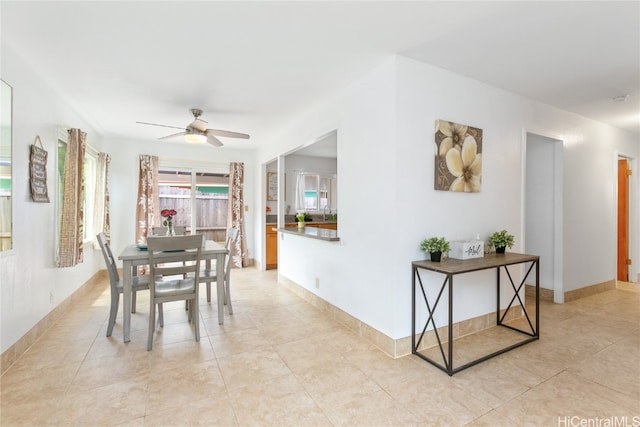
148, 200
101, 200
71, 228
235, 216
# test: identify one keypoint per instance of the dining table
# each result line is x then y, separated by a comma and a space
136, 255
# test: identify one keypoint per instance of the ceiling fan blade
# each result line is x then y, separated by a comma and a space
214, 141
199, 124
155, 124
227, 133
172, 135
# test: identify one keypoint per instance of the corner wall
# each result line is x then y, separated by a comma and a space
386, 126
426, 94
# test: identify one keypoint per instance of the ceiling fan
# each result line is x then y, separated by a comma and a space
198, 132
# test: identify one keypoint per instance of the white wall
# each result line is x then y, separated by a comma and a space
353, 273
428, 93
31, 285
385, 125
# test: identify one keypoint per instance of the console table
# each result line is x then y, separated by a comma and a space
451, 267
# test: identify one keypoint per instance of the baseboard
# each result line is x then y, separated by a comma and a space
589, 290
11, 355
545, 294
402, 346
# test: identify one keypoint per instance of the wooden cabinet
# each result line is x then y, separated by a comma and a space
272, 247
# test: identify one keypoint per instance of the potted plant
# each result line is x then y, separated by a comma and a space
435, 246
300, 217
501, 240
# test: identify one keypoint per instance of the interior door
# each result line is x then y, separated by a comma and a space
623, 220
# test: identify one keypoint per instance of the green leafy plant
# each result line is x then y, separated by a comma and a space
303, 216
501, 239
435, 244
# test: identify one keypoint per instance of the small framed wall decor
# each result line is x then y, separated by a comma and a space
38, 172
272, 186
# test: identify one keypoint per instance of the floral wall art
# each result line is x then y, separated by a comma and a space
458, 156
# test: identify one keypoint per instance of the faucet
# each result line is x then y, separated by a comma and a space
324, 216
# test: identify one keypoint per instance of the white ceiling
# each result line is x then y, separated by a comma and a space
254, 66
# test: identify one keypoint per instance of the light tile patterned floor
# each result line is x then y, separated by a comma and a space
278, 361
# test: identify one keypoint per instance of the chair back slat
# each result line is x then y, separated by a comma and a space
109, 260
175, 255
232, 236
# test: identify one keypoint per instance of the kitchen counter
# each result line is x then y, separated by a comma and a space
311, 232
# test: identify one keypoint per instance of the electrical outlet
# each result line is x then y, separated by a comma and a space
317, 283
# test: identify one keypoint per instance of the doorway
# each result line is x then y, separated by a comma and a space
270, 171
199, 198
543, 209
624, 260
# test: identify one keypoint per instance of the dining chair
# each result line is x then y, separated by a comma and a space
116, 285
208, 275
180, 230
174, 263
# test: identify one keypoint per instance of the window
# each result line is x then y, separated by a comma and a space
89, 174
89, 190
200, 198
6, 210
311, 192
317, 191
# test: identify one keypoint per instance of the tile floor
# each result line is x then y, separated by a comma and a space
278, 361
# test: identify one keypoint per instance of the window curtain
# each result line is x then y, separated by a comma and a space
299, 200
235, 215
148, 200
101, 219
71, 227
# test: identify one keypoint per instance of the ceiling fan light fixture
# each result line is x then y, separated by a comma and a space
195, 138
198, 132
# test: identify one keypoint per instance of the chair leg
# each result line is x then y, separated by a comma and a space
152, 324
160, 315
228, 295
196, 318
133, 301
208, 291
113, 312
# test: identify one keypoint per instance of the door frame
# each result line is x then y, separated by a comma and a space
262, 218
558, 243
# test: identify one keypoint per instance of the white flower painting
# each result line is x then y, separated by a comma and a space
458, 157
